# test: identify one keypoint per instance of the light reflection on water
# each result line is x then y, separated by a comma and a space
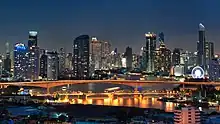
149, 102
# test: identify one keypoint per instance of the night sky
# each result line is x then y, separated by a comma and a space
122, 22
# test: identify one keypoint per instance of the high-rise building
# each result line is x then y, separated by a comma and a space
188, 60
106, 49
20, 61
187, 115
129, 58
150, 51
163, 59
62, 58
1, 65
209, 50
136, 61
201, 53
161, 38
69, 61
7, 60
34, 55
52, 65
96, 53
214, 70
43, 65
176, 57
81, 57
143, 62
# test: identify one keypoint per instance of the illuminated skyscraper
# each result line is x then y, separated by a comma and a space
128, 56
209, 50
7, 60
52, 65
201, 53
161, 37
176, 57
69, 61
34, 55
62, 58
163, 59
81, 57
106, 49
43, 65
20, 61
150, 51
96, 53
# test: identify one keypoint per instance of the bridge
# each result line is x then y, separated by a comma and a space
132, 83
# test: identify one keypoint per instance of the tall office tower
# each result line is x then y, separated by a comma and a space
7, 60
135, 61
209, 50
62, 58
34, 55
161, 38
187, 115
81, 57
52, 65
201, 53
69, 61
20, 61
143, 62
214, 70
188, 60
150, 51
1, 65
163, 59
43, 65
176, 57
128, 56
106, 49
96, 53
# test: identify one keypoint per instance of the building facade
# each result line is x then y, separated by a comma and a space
81, 57
129, 58
176, 57
20, 61
33, 56
150, 51
43, 65
62, 59
201, 52
187, 115
163, 60
52, 65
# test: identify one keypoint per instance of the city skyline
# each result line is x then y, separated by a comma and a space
122, 24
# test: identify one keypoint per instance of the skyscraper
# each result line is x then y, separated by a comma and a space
20, 61
209, 50
150, 51
7, 60
52, 65
176, 57
201, 53
96, 53
163, 59
81, 57
161, 37
69, 61
129, 58
34, 55
106, 49
43, 65
62, 58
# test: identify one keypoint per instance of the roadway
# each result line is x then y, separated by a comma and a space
119, 94
133, 83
